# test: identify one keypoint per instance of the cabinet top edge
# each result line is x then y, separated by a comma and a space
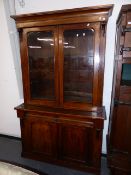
126, 7
98, 112
93, 9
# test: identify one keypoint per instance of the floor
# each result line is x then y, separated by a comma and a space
10, 150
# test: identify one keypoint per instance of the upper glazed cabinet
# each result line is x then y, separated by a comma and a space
63, 57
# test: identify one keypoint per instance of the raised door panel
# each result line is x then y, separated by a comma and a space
119, 155
120, 128
76, 143
39, 136
39, 65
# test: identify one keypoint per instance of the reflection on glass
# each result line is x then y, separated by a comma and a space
78, 65
126, 75
41, 64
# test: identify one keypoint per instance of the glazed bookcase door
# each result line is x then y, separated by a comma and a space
79, 61
40, 65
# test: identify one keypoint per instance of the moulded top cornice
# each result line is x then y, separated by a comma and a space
124, 9
77, 15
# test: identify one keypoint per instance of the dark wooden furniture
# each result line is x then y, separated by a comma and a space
62, 57
119, 133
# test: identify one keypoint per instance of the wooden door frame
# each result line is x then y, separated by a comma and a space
25, 66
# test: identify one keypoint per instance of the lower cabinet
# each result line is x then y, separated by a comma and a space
68, 140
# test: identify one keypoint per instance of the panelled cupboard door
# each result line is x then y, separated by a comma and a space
79, 63
40, 136
39, 49
120, 139
77, 143
119, 156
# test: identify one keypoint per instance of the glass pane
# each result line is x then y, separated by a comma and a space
78, 65
41, 64
126, 75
